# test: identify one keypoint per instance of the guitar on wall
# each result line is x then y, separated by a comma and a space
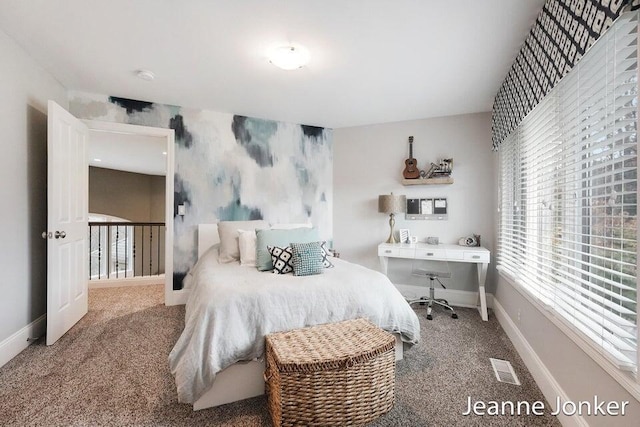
411, 170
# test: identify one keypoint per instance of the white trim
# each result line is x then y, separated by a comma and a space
170, 296
129, 281
115, 127
455, 297
179, 297
542, 376
12, 346
585, 345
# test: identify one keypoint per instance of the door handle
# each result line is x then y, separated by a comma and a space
60, 235
46, 235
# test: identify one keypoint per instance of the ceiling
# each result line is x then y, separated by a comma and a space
128, 152
372, 61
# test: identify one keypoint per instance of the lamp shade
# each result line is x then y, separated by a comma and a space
391, 203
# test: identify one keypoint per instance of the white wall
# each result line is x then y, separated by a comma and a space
368, 161
576, 374
24, 90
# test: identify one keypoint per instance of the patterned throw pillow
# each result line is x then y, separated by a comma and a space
281, 258
325, 255
306, 258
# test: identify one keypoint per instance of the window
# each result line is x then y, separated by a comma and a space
568, 197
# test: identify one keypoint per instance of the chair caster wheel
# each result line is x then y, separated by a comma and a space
454, 316
429, 317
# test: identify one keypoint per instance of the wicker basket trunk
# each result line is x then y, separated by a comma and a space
337, 374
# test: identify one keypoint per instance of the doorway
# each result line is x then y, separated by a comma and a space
68, 210
147, 150
127, 199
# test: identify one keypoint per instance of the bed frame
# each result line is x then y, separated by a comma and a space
241, 380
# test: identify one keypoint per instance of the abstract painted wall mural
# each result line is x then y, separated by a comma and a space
230, 167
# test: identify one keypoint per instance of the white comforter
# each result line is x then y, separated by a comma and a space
232, 308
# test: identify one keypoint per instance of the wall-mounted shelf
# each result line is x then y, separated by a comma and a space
428, 181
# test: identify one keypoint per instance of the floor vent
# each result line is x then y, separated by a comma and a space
504, 371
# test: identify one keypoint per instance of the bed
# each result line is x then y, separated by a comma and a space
218, 358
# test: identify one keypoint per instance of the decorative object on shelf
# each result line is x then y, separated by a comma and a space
413, 239
392, 204
404, 235
442, 169
430, 171
431, 240
473, 240
436, 173
410, 169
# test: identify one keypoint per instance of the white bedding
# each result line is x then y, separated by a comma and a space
232, 308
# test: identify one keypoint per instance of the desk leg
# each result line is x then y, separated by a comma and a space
482, 277
384, 264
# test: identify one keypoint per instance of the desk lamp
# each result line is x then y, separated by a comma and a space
392, 204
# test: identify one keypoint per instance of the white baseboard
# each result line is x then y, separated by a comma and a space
178, 297
129, 281
545, 380
12, 346
453, 296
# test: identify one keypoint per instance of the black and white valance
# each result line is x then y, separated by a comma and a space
562, 33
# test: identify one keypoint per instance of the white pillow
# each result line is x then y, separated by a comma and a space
289, 226
247, 243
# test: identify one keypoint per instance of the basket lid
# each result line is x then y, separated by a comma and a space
328, 346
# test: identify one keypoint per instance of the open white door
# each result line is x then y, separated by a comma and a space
67, 255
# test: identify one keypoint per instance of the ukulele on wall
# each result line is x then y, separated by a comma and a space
411, 170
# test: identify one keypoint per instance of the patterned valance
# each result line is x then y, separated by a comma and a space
562, 33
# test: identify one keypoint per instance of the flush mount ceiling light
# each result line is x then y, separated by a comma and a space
289, 57
145, 75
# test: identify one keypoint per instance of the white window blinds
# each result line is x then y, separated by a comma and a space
568, 197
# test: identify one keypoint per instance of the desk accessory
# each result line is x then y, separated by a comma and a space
473, 240
404, 235
427, 209
410, 170
392, 204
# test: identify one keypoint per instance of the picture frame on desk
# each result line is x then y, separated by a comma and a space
404, 235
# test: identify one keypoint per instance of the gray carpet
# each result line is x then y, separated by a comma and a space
112, 369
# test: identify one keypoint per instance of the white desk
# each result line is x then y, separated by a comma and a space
451, 253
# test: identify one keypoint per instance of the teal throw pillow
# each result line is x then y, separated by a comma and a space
281, 238
306, 258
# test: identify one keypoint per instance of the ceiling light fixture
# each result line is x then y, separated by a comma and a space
289, 57
145, 75
97, 160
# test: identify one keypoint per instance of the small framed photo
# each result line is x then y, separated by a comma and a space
404, 235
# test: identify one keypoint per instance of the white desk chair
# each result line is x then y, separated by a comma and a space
433, 270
